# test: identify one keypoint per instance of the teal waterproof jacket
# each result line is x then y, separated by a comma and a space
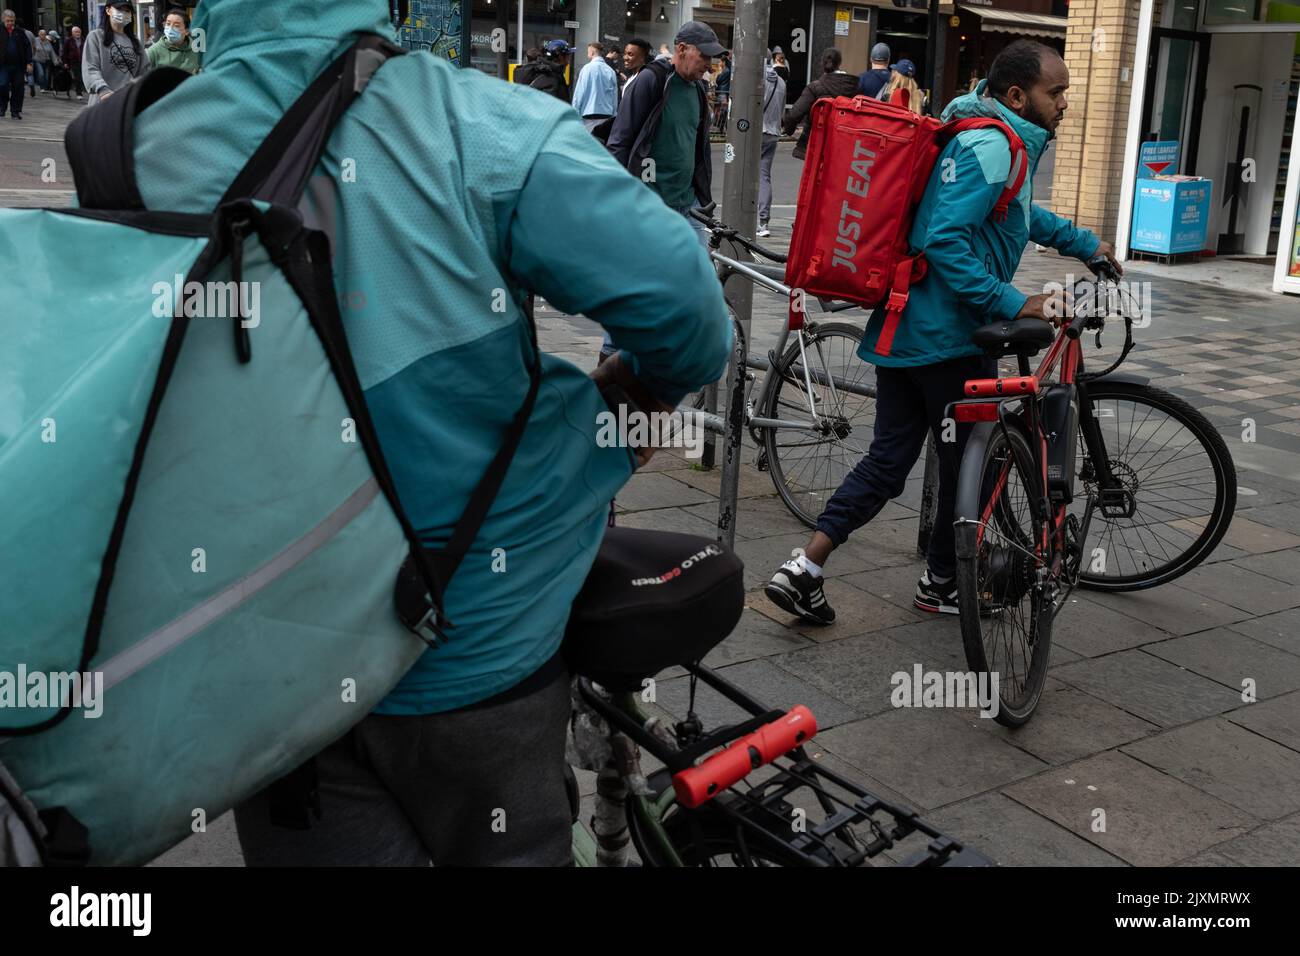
972, 258
448, 193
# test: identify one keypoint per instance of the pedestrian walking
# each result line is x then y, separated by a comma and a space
31, 74
549, 74
773, 107
113, 57
175, 48
595, 94
972, 254
636, 54
72, 47
44, 61
15, 64
902, 78
780, 65
525, 71
870, 82
722, 94
832, 82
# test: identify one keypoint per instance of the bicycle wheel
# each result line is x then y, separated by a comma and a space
1181, 480
808, 465
1006, 614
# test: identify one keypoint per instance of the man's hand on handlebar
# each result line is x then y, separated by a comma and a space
1105, 256
617, 385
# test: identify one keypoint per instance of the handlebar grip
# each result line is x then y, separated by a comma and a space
696, 785
1101, 267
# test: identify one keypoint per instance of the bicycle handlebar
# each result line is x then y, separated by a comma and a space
721, 231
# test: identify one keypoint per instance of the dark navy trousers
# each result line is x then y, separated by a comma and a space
909, 402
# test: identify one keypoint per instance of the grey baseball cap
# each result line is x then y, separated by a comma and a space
699, 35
880, 53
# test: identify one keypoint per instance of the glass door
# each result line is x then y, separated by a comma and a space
1175, 91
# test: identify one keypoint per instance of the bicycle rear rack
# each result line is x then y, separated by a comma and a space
762, 812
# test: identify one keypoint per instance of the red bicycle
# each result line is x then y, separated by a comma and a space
1149, 498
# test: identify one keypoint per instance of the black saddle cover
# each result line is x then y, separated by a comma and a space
652, 599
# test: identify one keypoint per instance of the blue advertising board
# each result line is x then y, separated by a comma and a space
1171, 217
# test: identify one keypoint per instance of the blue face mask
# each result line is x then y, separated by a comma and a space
172, 34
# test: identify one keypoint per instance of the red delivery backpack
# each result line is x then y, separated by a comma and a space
866, 169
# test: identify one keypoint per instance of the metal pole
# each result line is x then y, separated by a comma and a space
931, 51
740, 211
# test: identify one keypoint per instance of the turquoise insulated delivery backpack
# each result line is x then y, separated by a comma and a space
196, 514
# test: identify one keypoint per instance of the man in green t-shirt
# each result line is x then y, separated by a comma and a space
174, 47
661, 132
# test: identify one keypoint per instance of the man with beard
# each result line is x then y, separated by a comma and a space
925, 356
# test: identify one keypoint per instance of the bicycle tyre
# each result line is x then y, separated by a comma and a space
1225, 478
984, 450
779, 379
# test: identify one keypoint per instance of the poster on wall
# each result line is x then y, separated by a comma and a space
436, 26
843, 16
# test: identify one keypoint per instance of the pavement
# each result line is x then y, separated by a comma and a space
1143, 750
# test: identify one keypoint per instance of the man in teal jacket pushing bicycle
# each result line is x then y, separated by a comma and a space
972, 258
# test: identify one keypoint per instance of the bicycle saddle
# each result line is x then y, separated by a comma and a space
652, 599
1018, 337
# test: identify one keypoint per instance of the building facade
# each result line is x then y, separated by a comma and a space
1217, 79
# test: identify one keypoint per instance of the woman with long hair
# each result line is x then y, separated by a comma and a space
832, 82
113, 57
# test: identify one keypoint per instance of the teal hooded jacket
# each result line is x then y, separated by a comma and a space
448, 193
972, 258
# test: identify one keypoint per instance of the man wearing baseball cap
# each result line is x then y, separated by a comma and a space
548, 75
870, 82
661, 132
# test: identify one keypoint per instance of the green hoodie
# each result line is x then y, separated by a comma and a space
448, 193
971, 257
183, 57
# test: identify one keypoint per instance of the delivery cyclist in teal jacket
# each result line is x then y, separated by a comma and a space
448, 194
972, 256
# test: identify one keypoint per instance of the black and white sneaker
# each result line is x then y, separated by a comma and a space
936, 598
796, 591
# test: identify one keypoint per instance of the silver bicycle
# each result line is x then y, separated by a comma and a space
814, 413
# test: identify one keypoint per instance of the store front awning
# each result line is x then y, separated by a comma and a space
1021, 24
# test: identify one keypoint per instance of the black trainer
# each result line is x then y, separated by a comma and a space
936, 598
796, 591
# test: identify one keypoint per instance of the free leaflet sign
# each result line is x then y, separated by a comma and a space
1157, 157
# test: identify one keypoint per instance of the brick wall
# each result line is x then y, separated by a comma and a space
1100, 43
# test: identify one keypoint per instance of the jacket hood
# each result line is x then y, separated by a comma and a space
307, 27
980, 103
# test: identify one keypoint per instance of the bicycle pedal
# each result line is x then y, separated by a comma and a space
761, 463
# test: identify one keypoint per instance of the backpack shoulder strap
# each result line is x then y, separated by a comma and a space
1019, 160
101, 142
279, 169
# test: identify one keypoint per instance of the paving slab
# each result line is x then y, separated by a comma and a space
756, 517
1151, 819
1091, 629
1282, 565
858, 670
1280, 630
1229, 762
646, 490
1171, 608
1069, 725
1277, 719
762, 556
929, 754
1241, 588
896, 585
669, 519
856, 612
1231, 658
1013, 835
1247, 535
1275, 844
752, 484
1148, 687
